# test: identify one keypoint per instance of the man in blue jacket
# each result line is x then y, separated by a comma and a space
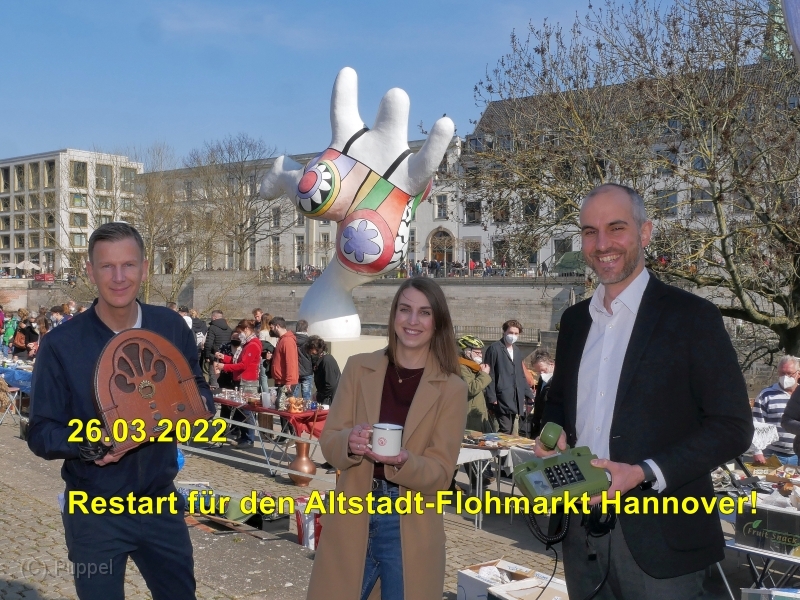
99, 542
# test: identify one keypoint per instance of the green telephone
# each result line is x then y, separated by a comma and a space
569, 471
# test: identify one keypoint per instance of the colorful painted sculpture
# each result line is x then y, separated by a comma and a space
369, 183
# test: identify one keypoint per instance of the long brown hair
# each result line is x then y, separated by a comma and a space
443, 342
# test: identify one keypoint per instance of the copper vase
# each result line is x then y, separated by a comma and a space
302, 463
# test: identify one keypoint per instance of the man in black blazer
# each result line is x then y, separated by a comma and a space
505, 396
646, 376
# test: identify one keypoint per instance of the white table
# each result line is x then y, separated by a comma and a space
481, 458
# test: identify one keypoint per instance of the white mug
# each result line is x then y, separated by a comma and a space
386, 439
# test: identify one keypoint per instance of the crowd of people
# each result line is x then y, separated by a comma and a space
23, 329
259, 353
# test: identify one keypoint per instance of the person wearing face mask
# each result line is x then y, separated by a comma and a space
778, 405
543, 365
506, 394
476, 375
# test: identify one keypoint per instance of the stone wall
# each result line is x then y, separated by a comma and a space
482, 303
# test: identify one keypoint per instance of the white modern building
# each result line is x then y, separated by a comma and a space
51, 202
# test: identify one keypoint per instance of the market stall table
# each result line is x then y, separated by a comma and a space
17, 378
479, 460
294, 425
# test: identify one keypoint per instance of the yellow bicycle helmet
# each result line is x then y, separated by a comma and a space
469, 341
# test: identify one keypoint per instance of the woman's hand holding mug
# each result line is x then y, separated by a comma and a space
359, 439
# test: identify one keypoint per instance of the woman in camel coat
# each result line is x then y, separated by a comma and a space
421, 344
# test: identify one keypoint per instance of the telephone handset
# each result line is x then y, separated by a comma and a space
570, 471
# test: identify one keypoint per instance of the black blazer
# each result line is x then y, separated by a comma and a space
509, 387
681, 401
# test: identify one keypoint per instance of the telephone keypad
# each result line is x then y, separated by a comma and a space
564, 474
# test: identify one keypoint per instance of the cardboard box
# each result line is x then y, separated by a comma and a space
770, 528
531, 589
777, 594
472, 587
768, 468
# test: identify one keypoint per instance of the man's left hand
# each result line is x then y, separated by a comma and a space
624, 477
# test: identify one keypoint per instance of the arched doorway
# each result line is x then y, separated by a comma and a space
442, 245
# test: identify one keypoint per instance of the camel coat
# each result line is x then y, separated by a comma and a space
432, 436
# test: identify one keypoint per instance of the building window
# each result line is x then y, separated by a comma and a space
49, 240
5, 204
19, 240
50, 174
561, 247
472, 213
276, 217
33, 240
5, 180
79, 201
33, 202
252, 256
48, 260
5, 241
49, 200
441, 206
325, 222
5, 257
5, 223
667, 202
105, 219
412, 243
699, 164
209, 261
19, 203
104, 202
34, 221
33, 174
19, 178
18, 258
229, 253
187, 189
77, 174
325, 239
79, 240
666, 162
500, 211
275, 250
49, 220
301, 219
127, 179
701, 202
300, 249
78, 220
252, 188
19, 222
126, 203
103, 177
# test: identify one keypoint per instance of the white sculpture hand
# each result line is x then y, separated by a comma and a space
370, 184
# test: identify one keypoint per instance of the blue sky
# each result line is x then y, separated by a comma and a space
125, 74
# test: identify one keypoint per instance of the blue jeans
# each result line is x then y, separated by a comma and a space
304, 387
786, 459
384, 553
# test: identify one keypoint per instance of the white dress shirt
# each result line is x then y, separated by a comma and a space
601, 365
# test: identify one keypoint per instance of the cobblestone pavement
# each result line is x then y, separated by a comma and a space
33, 556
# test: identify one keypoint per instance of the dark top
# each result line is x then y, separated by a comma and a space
671, 408
326, 378
31, 336
396, 400
791, 418
218, 334
62, 388
508, 390
304, 366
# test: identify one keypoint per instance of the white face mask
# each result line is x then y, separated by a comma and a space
478, 358
511, 338
786, 382
545, 376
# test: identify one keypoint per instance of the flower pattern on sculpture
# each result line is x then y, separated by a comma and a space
360, 241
